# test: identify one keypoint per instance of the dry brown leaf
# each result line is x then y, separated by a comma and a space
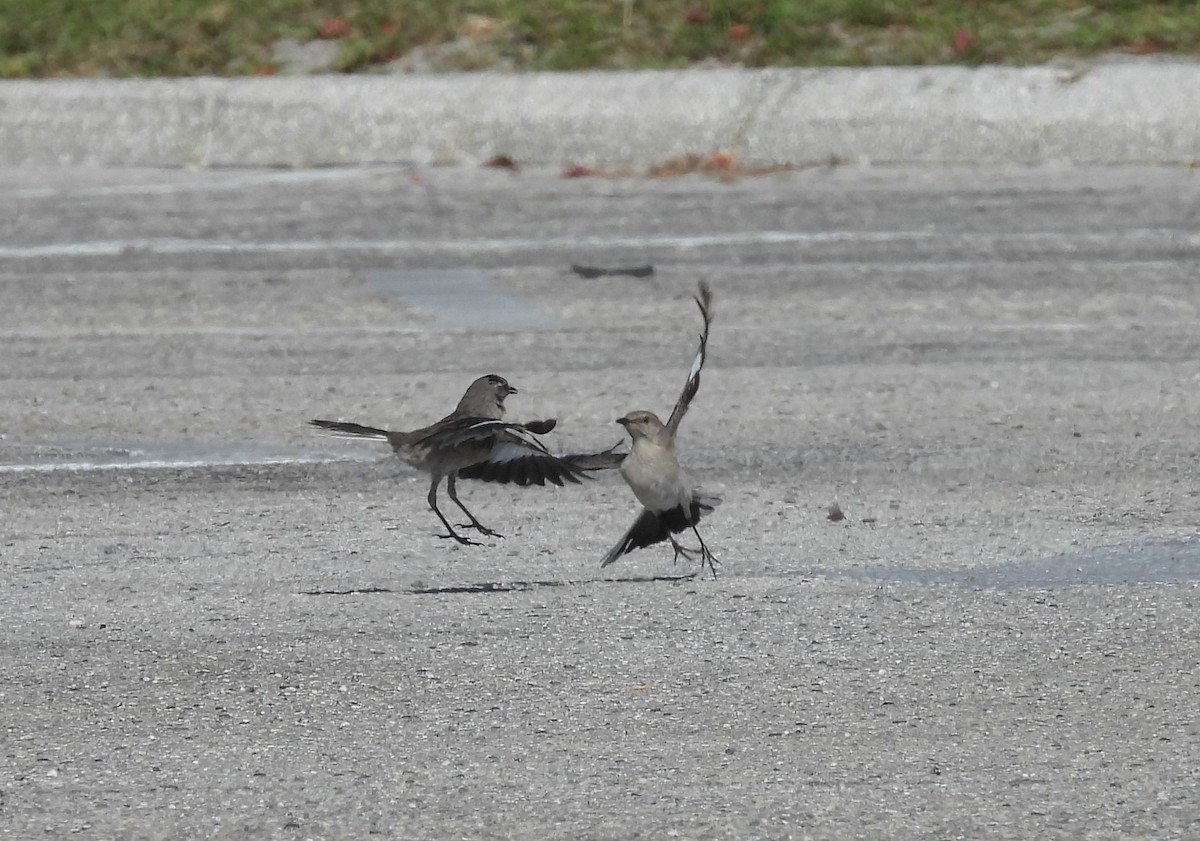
502, 162
962, 40
332, 28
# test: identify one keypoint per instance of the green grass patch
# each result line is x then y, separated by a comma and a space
41, 38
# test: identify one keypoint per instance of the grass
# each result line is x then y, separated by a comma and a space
44, 38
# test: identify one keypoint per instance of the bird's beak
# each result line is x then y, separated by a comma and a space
622, 421
512, 389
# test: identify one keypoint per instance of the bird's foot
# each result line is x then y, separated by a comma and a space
682, 551
465, 541
479, 527
707, 558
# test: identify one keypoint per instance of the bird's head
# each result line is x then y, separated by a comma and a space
485, 397
641, 424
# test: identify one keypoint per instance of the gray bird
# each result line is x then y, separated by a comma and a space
475, 443
651, 469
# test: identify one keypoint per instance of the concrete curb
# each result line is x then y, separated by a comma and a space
1137, 112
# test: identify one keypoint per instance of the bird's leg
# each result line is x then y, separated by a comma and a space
705, 555
474, 524
452, 534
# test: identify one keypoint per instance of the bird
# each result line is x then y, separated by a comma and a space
473, 442
671, 504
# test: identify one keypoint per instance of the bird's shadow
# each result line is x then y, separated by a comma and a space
498, 586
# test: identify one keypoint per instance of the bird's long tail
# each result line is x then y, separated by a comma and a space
350, 430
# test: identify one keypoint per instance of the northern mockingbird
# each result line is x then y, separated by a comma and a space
672, 503
474, 443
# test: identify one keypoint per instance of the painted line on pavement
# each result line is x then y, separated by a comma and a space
179, 246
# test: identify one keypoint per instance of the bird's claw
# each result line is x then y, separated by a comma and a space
680, 549
465, 541
706, 557
713, 563
481, 528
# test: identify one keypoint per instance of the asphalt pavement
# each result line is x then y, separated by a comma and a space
220, 625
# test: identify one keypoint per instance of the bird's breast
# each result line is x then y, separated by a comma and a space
653, 474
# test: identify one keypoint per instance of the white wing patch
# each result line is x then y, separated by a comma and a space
484, 424
692, 384
509, 451
697, 364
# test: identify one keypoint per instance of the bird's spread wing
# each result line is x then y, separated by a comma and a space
704, 302
515, 459
604, 460
515, 455
514, 462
